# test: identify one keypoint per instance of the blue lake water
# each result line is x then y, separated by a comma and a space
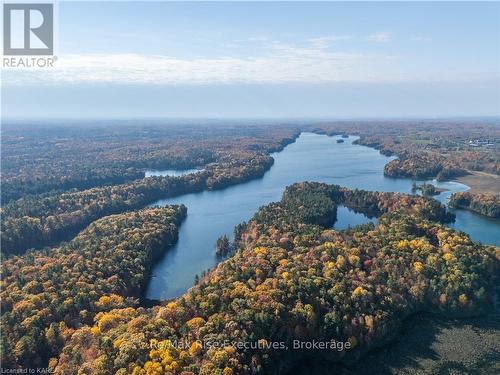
312, 157
347, 218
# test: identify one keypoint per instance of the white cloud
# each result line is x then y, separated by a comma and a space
277, 63
281, 63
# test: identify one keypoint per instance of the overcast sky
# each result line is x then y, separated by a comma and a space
266, 60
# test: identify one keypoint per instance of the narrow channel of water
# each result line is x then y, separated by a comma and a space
312, 157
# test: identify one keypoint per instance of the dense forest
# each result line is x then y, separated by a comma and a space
428, 149
484, 204
434, 149
423, 166
39, 220
294, 278
75, 305
98, 170
39, 158
47, 294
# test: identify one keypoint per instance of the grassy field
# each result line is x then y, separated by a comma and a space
429, 345
481, 182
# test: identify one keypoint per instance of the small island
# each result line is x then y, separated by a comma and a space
426, 189
296, 278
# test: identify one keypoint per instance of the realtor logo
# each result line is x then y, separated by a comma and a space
28, 29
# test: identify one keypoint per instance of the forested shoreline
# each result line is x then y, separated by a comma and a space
427, 149
441, 149
484, 204
47, 294
228, 156
48, 195
36, 221
289, 276
293, 278
39, 159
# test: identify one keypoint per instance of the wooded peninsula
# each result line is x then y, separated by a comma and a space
79, 242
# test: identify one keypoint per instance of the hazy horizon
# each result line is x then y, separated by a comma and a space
266, 60
260, 120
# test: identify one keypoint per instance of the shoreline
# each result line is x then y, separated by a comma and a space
165, 200
480, 182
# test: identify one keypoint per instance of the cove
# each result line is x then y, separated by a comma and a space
312, 157
348, 218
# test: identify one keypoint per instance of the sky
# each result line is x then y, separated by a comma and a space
265, 60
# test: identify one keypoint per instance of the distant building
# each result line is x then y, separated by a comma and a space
481, 143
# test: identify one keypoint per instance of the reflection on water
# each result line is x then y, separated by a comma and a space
170, 172
312, 157
347, 218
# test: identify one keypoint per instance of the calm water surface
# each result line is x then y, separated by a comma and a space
312, 157
170, 172
347, 218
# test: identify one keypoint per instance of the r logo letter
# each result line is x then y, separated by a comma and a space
28, 29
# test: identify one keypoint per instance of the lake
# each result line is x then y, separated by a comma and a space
312, 157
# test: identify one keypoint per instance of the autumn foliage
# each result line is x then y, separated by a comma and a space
485, 204
294, 278
47, 294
